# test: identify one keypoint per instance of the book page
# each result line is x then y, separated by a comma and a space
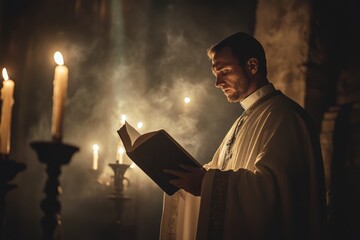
143, 138
124, 136
131, 138
133, 134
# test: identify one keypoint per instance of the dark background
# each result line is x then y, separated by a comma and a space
141, 58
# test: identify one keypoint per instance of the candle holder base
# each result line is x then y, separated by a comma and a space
118, 196
119, 202
95, 183
54, 155
94, 174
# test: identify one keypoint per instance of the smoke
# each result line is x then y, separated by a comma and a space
139, 63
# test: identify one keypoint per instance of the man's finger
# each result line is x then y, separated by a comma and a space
189, 168
175, 173
176, 183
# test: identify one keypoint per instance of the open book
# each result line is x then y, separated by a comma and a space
155, 151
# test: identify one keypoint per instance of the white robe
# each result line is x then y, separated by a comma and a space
272, 187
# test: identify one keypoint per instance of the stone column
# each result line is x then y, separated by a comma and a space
283, 27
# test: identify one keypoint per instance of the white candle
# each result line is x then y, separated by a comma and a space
118, 151
95, 156
7, 92
121, 151
59, 95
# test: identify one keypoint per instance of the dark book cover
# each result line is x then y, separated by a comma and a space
155, 151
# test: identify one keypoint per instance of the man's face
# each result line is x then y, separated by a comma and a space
231, 77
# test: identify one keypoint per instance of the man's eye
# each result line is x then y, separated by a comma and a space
224, 72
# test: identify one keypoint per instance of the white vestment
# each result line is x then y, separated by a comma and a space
271, 188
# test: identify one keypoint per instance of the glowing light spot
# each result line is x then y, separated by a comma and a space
5, 74
123, 118
140, 125
187, 100
121, 150
58, 58
96, 147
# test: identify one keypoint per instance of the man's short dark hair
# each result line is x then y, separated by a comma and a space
243, 47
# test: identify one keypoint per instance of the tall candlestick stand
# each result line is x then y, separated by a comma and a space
118, 195
54, 155
8, 170
94, 178
93, 173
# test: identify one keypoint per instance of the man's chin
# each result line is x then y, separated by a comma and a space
232, 99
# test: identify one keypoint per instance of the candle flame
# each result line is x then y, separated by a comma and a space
121, 150
187, 100
96, 147
5, 74
123, 118
59, 58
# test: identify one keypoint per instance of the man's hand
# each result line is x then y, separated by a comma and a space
190, 179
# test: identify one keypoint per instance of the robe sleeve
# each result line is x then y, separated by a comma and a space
280, 199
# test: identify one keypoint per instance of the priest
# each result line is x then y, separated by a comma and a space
266, 179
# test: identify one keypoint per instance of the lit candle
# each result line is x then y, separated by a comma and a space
118, 150
123, 119
59, 96
7, 92
121, 151
187, 100
95, 156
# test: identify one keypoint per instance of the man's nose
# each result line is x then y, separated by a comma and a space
219, 82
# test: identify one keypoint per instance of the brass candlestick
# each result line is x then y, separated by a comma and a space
8, 170
118, 195
54, 155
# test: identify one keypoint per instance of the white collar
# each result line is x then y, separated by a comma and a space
259, 93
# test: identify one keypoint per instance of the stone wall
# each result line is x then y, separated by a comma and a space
283, 27
313, 57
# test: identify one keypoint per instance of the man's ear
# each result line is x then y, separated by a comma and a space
252, 65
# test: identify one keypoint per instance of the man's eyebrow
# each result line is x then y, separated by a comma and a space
217, 66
